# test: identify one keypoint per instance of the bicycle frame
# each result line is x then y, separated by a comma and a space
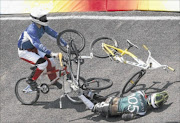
72, 84
151, 63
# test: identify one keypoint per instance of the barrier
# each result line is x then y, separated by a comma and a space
25, 6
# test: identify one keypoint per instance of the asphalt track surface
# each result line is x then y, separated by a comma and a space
161, 36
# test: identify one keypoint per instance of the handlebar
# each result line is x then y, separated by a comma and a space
170, 68
60, 56
87, 57
145, 47
60, 59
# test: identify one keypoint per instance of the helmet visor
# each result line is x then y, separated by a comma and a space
43, 18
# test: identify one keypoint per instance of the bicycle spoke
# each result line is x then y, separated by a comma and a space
71, 35
97, 48
98, 83
24, 93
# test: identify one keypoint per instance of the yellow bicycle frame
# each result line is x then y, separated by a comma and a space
107, 49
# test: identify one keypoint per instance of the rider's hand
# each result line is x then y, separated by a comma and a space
54, 54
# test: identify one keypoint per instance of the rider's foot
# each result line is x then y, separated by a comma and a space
59, 85
32, 84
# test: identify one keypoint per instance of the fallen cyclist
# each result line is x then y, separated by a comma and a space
129, 107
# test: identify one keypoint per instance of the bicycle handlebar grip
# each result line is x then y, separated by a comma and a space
86, 57
171, 69
60, 59
145, 47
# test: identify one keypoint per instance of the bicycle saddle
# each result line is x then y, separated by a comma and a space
131, 44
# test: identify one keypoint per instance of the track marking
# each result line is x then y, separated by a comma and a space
100, 17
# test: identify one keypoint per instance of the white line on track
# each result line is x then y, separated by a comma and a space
100, 17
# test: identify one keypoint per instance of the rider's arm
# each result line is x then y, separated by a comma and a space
54, 34
37, 44
129, 116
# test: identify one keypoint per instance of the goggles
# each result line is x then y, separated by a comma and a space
42, 19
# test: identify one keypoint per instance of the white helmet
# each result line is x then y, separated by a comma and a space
157, 99
39, 16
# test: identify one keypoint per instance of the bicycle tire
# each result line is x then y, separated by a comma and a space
66, 35
97, 83
73, 96
96, 46
25, 98
131, 83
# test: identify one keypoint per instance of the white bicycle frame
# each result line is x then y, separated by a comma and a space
150, 63
72, 85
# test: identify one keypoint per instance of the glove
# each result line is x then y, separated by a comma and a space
54, 54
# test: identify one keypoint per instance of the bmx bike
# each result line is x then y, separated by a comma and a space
105, 47
71, 82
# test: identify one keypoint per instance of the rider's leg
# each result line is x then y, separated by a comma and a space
94, 96
108, 107
40, 66
51, 67
33, 58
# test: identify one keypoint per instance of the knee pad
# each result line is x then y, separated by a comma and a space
41, 63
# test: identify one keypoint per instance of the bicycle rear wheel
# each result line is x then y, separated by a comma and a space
131, 83
97, 83
24, 93
73, 96
96, 46
69, 35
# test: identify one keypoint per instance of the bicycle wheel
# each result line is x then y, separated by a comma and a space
96, 46
69, 35
131, 83
73, 96
97, 83
24, 93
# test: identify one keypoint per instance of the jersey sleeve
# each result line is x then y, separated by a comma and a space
37, 44
51, 32
54, 34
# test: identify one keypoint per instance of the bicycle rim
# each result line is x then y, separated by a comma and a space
73, 96
131, 83
98, 83
96, 46
24, 94
68, 35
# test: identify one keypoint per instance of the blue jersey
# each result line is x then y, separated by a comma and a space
134, 103
30, 38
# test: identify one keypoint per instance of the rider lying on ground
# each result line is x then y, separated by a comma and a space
129, 107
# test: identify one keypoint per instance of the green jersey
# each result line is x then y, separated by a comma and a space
134, 103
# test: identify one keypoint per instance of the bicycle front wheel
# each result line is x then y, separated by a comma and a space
24, 93
96, 46
69, 35
73, 95
97, 83
131, 83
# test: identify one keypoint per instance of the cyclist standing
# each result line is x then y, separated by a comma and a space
31, 50
129, 107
